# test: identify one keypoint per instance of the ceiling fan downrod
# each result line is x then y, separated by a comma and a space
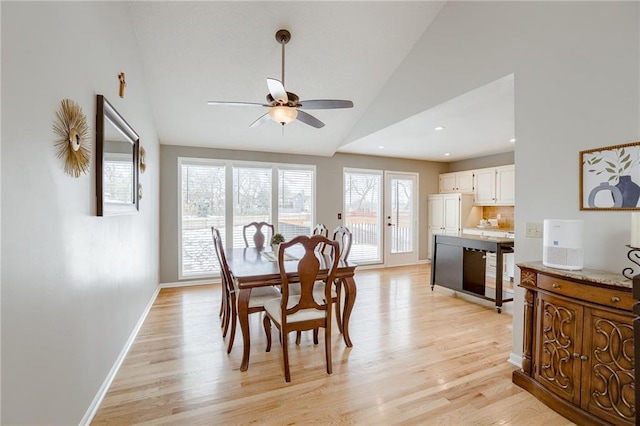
283, 36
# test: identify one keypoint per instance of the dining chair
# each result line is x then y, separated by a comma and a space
256, 300
225, 309
342, 235
344, 238
307, 310
321, 229
258, 237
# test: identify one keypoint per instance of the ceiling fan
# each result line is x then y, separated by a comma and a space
285, 107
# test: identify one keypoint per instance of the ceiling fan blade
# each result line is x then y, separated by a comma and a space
326, 104
309, 119
225, 103
276, 88
262, 119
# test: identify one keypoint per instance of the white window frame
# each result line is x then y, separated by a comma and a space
195, 162
228, 165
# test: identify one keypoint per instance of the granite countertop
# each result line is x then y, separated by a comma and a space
489, 228
484, 238
593, 275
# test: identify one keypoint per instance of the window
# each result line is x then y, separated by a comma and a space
275, 193
251, 199
295, 202
202, 206
363, 214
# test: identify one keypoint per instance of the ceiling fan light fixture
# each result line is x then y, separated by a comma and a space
283, 114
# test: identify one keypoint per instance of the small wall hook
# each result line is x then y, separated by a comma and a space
123, 83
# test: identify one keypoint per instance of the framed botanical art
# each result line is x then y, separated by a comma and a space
610, 178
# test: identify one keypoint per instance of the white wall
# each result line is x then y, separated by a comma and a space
482, 162
73, 284
576, 87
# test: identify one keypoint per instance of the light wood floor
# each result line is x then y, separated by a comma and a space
419, 357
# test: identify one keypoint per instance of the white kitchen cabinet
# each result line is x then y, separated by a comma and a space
507, 265
506, 185
456, 182
447, 213
495, 186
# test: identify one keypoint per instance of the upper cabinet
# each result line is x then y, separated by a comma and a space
495, 186
485, 184
506, 185
491, 186
456, 182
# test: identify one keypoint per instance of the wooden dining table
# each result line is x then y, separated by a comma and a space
254, 267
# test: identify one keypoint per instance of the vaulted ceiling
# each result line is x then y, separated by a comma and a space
193, 52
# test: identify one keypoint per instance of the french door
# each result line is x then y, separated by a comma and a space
400, 218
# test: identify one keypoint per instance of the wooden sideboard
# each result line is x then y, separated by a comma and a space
578, 343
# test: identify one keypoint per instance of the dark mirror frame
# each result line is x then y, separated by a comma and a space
105, 111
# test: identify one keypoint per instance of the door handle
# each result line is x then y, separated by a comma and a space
391, 224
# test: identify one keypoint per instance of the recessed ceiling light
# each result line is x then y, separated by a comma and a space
512, 140
380, 146
439, 128
446, 154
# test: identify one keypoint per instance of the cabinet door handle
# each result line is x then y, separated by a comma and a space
615, 299
584, 357
555, 285
576, 355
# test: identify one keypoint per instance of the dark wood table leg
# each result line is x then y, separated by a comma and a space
338, 284
349, 301
243, 316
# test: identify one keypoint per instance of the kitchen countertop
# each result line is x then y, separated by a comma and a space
479, 239
489, 228
585, 274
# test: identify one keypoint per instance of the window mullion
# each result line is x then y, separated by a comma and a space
228, 204
275, 196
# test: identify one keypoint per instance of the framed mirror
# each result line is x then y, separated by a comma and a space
117, 148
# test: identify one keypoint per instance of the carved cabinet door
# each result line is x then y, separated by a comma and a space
608, 371
557, 361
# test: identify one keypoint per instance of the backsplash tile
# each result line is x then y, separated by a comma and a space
506, 215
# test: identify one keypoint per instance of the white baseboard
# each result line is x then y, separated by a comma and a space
190, 283
515, 359
97, 400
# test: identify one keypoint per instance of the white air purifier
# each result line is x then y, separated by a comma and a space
562, 246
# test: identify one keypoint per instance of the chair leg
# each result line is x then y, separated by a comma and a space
234, 320
226, 316
222, 299
327, 346
285, 356
267, 331
338, 300
315, 336
298, 337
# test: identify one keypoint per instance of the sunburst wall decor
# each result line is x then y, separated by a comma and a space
73, 146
